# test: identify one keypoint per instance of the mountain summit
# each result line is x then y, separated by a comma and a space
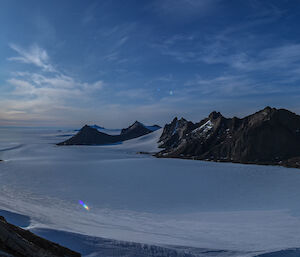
137, 129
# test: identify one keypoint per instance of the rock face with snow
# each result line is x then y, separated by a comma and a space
270, 136
90, 135
15, 241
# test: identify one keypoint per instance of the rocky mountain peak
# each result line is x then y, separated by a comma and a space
136, 123
214, 115
268, 109
135, 126
87, 128
174, 120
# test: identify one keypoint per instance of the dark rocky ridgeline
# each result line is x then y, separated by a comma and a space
137, 129
91, 136
18, 242
270, 136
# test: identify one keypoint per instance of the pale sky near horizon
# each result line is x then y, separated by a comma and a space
72, 62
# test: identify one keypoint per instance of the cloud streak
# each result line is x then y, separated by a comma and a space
40, 94
34, 55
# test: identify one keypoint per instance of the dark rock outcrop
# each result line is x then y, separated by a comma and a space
91, 136
18, 242
137, 129
270, 136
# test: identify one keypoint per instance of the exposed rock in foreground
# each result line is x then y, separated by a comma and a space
270, 136
18, 242
89, 135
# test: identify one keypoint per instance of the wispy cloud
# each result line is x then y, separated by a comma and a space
33, 55
282, 57
230, 86
232, 45
239, 49
34, 95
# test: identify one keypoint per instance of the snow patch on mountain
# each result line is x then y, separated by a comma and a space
203, 129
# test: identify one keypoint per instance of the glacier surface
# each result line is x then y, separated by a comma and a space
231, 209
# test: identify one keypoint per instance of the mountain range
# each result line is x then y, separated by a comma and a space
92, 135
269, 136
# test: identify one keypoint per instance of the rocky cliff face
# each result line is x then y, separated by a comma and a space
18, 242
270, 136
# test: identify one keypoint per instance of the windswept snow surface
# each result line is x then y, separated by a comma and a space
134, 197
147, 143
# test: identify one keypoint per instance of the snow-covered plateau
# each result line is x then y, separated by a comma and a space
165, 206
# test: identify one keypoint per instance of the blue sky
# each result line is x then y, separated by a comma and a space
67, 63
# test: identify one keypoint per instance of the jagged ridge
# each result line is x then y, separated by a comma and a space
270, 136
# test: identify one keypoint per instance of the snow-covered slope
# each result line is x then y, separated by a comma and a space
139, 198
147, 143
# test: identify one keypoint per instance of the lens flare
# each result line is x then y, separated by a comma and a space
84, 205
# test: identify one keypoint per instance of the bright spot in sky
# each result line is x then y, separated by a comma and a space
171, 92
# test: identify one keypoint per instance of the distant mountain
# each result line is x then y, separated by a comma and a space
15, 241
92, 135
137, 129
270, 136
